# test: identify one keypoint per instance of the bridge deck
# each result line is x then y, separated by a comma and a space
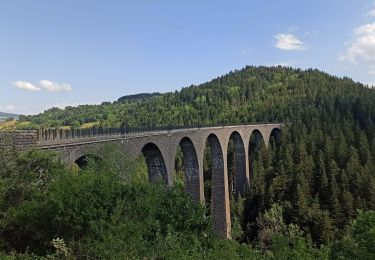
53, 138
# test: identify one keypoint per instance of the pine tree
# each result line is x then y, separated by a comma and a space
347, 204
372, 145
321, 186
353, 171
363, 150
370, 192
341, 150
334, 205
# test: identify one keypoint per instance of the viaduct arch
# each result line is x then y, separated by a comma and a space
240, 178
160, 150
155, 163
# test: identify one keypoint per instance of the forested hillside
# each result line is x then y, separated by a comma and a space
310, 184
253, 94
138, 97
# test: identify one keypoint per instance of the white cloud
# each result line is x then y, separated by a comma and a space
371, 13
25, 85
54, 87
43, 85
8, 108
289, 42
362, 47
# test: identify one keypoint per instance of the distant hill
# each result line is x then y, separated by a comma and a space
252, 94
137, 97
4, 116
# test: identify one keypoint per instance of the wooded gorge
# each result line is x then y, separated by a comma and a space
305, 192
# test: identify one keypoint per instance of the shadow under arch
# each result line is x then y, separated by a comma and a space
256, 143
190, 168
237, 179
275, 137
86, 159
219, 197
157, 171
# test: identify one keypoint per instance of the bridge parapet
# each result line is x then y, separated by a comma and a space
51, 137
56, 134
54, 137
20, 138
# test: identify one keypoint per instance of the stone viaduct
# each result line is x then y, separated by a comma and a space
159, 147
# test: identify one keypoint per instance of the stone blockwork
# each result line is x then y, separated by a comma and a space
20, 139
160, 149
26, 138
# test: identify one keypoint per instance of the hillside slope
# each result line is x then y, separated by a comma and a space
253, 94
324, 169
8, 115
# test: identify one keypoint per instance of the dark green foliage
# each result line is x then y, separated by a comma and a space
24, 214
320, 170
106, 211
360, 240
317, 194
137, 97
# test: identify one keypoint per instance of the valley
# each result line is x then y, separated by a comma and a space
313, 180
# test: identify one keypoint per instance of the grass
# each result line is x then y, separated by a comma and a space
88, 125
24, 123
8, 125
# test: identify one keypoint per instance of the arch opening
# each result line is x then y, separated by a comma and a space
237, 179
85, 160
256, 144
187, 168
216, 191
207, 176
275, 137
257, 175
157, 171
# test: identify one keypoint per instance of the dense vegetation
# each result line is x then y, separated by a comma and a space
105, 211
306, 190
109, 210
138, 97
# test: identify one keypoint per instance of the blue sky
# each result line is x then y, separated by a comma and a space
59, 53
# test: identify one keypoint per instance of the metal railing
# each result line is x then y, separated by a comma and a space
74, 133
